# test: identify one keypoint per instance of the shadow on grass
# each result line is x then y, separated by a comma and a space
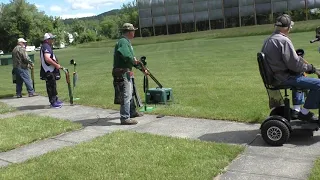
6, 96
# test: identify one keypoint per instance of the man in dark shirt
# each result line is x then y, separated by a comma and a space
287, 67
124, 60
50, 69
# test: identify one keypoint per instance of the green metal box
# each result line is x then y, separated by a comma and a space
159, 95
7, 59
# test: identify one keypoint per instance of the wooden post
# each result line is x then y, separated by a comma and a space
224, 17
306, 9
164, 4
194, 17
271, 4
179, 5
154, 30
255, 12
239, 11
139, 18
209, 15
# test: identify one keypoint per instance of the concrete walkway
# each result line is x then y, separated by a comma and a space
292, 161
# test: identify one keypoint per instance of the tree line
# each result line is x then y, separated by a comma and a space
18, 18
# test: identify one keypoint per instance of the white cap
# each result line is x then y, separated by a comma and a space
22, 40
48, 36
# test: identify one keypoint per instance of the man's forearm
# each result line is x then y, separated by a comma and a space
51, 62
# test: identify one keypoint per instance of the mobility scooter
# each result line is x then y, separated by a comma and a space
281, 123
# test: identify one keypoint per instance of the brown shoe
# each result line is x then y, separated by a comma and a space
129, 122
137, 114
33, 94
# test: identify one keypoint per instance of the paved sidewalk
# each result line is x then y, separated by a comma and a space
292, 161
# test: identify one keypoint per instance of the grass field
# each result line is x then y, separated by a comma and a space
129, 155
5, 108
315, 173
211, 78
24, 129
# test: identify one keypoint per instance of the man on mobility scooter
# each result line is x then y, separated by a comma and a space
282, 68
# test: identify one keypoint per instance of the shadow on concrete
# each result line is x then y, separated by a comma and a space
99, 122
233, 137
297, 138
253, 138
36, 107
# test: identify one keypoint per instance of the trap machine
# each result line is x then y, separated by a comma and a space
158, 95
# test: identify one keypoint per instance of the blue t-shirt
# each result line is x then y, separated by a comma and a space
46, 67
46, 48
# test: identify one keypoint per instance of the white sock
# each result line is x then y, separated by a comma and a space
304, 111
297, 107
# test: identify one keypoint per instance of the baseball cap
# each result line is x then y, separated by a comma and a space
48, 36
22, 40
128, 26
284, 21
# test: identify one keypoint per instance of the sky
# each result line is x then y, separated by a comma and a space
75, 8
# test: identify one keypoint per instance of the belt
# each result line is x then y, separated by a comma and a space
120, 71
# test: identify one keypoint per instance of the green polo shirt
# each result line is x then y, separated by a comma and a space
123, 54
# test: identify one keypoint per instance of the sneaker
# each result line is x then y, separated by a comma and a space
129, 122
56, 105
294, 114
136, 114
19, 96
59, 102
33, 94
310, 117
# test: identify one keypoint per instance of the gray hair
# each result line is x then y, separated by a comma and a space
278, 28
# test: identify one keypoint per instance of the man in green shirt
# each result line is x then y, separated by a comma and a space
124, 60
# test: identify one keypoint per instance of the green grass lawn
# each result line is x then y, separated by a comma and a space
211, 78
5, 108
24, 129
129, 155
315, 173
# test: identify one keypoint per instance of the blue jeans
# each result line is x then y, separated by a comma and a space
22, 76
128, 106
313, 84
298, 97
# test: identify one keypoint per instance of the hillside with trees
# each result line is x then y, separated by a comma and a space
22, 19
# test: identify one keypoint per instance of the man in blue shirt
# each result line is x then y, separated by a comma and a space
50, 69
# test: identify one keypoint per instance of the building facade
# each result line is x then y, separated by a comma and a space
175, 14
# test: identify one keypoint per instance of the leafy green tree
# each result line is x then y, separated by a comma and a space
109, 27
21, 19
